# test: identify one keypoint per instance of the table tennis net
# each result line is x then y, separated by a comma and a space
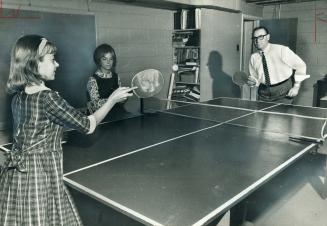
293, 115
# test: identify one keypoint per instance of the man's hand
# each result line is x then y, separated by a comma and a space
251, 81
294, 91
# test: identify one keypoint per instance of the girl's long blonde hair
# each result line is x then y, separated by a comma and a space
25, 56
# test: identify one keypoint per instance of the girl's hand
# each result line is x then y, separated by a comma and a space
3, 158
121, 94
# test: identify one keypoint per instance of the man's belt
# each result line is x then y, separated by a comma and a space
277, 84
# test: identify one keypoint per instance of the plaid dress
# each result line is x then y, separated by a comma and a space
32, 192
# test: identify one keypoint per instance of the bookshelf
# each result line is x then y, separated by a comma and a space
186, 55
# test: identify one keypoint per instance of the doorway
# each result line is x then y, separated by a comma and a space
248, 23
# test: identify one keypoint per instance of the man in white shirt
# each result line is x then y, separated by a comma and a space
272, 67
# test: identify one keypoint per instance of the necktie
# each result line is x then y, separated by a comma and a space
265, 69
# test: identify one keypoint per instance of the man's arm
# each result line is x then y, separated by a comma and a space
252, 79
296, 63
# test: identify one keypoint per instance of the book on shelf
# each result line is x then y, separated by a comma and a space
184, 68
197, 18
180, 91
177, 20
180, 40
187, 19
187, 56
178, 44
187, 77
184, 18
188, 83
180, 88
194, 94
191, 63
196, 77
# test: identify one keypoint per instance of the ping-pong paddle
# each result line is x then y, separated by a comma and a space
240, 78
147, 83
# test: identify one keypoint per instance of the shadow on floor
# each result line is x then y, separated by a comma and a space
297, 191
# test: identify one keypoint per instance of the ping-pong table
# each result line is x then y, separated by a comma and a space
190, 164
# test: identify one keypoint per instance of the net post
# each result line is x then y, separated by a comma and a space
142, 105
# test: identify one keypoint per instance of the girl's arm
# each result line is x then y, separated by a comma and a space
62, 113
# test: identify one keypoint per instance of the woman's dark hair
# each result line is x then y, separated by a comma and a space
102, 50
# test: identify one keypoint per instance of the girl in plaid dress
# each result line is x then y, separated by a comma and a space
32, 191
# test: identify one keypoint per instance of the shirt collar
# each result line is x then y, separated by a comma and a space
31, 89
266, 50
101, 74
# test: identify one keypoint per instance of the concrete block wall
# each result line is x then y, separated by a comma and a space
311, 43
141, 36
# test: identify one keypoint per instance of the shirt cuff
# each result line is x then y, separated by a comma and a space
257, 83
297, 84
93, 124
300, 78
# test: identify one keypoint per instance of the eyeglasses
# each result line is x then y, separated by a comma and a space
260, 37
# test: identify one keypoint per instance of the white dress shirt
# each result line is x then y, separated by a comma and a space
280, 62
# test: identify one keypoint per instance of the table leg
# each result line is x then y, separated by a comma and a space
322, 149
324, 191
223, 220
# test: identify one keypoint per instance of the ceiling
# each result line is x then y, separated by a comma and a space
274, 2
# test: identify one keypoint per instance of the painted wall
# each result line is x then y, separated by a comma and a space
220, 57
251, 9
311, 43
72, 74
140, 36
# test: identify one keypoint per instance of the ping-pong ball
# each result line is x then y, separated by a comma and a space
175, 67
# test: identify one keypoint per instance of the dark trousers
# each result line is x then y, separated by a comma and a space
276, 93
